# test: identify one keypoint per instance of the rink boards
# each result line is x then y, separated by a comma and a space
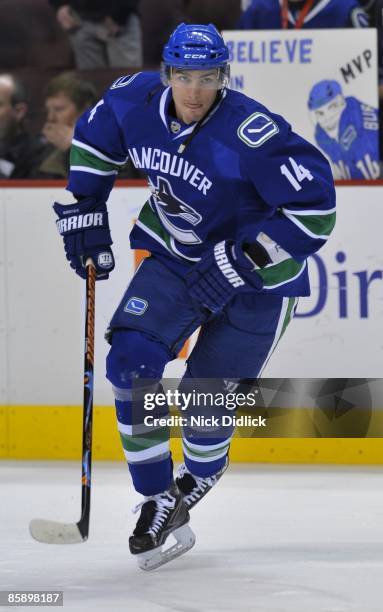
338, 332
54, 432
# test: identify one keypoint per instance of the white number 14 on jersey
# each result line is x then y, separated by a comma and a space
301, 173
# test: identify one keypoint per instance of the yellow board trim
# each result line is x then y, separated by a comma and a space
54, 432
3, 432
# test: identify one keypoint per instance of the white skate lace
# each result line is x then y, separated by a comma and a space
164, 503
200, 483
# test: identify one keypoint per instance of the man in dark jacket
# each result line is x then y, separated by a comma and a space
20, 152
297, 14
102, 34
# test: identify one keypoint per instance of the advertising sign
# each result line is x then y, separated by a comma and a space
324, 82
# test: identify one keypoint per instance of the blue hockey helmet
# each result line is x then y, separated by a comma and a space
322, 93
196, 47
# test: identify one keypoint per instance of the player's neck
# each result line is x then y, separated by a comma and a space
298, 5
172, 111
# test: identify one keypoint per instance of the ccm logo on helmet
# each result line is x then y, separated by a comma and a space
225, 266
195, 56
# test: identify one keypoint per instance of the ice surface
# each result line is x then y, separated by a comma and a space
269, 539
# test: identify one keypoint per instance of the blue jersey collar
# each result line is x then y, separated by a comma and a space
165, 100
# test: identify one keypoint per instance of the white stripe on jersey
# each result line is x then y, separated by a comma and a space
92, 170
96, 153
302, 213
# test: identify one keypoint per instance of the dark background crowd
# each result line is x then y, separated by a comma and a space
58, 56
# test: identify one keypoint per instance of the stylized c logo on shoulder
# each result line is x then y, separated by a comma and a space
257, 129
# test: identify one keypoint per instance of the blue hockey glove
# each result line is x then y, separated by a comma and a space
85, 230
223, 272
231, 268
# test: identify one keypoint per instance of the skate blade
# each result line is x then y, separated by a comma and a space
185, 540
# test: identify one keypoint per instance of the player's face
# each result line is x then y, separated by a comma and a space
194, 91
61, 109
329, 114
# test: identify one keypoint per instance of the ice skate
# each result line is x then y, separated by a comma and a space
161, 515
194, 488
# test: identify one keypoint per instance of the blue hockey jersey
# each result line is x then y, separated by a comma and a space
355, 152
244, 171
266, 15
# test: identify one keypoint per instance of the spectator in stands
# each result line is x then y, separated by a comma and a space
67, 96
375, 8
290, 14
20, 151
102, 33
369, 7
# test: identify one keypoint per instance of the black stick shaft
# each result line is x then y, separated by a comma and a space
83, 524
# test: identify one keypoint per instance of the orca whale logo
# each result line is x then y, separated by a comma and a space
169, 208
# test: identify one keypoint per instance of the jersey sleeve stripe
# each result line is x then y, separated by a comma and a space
96, 153
276, 275
306, 212
81, 157
316, 227
93, 170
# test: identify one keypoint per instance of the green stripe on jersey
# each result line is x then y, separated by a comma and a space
81, 157
280, 273
150, 220
289, 315
321, 225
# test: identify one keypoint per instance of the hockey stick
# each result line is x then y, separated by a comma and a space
52, 532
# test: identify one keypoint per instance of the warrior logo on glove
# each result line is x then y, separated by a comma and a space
79, 222
85, 230
225, 266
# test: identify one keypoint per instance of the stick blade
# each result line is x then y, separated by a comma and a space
52, 532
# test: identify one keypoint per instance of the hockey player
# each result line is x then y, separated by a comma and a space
297, 14
346, 131
238, 202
